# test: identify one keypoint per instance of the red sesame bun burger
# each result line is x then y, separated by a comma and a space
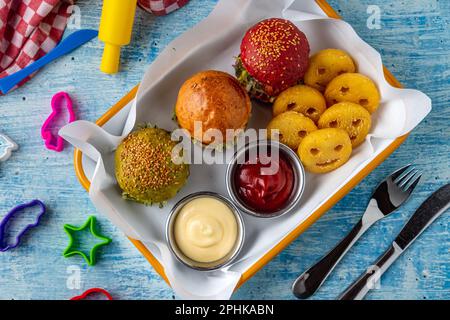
274, 56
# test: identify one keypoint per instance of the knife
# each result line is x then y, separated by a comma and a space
424, 216
67, 45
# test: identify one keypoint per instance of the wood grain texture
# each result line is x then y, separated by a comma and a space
414, 42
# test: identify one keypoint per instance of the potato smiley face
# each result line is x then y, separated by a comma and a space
351, 117
353, 87
326, 65
292, 127
303, 99
325, 150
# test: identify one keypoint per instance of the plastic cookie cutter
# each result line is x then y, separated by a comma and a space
53, 141
92, 291
72, 247
7, 146
11, 215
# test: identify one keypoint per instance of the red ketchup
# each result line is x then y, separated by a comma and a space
264, 193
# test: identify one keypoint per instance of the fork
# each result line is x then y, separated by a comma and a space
388, 197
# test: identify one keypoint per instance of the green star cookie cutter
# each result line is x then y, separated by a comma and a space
71, 249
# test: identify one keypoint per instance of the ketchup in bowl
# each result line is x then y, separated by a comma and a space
261, 191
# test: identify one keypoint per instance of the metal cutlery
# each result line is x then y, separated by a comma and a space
388, 196
429, 211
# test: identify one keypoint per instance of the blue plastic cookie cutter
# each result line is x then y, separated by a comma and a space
11, 214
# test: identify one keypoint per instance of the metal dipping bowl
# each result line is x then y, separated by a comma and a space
253, 148
210, 266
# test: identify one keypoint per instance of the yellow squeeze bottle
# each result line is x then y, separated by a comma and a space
115, 29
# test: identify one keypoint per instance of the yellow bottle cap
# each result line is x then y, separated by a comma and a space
111, 59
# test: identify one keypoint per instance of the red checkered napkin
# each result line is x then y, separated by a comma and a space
29, 29
161, 7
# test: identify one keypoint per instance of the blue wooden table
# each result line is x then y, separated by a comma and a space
414, 42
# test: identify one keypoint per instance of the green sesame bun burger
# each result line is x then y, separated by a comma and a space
144, 168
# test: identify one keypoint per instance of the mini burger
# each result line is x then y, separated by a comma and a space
215, 100
274, 56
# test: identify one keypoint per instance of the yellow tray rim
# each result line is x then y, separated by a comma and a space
79, 170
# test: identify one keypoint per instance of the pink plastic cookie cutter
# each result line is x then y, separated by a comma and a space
53, 141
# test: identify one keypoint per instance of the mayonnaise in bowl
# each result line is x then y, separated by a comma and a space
205, 231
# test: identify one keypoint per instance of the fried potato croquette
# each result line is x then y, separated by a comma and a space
353, 87
326, 65
349, 116
303, 99
325, 150
292, 128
